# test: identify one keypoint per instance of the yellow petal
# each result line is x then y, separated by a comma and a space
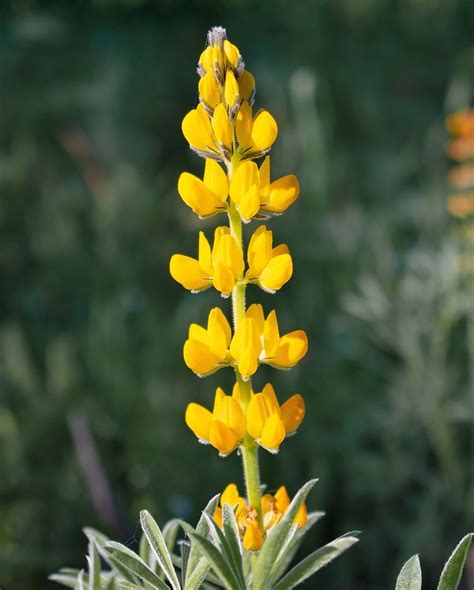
292, 413
282, 499
259, 251
209, 90
205, 254
273, 433
249, 204
189, 273
276, 273
198, 419
219, 333
244, 178
197, 195
197, 129
246, 85
281, 249
264, 131
301, 516
228, 252
291, 349
230, 413
217, 516
215, 179
264, 173
256, 416
245, 347
253, 538
199, 358
255, 311
223, 279
218, 401
197, 332
243, 126
236, 392
270, 400
271, 335
222, 438
230, 496
231, 89
231, 53
222, 127
281, 194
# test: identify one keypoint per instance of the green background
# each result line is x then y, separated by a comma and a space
92, 325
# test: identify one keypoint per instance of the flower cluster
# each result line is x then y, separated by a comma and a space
461, 178
273, 507
225, 131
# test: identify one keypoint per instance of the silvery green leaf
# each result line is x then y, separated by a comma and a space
158, 545
276, 540
288, 554
135, 564
101, 541
125, 586
232, 536
409, 577
314, 562
200, 572
170, 533
201, 529
80, 581
197, 567
93, 561
217, 561
185, 548
452, 571
66, 579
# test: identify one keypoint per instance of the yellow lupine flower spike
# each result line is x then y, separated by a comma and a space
208, 196
268, 422
224, 428
206, 350
269, 267
222, 268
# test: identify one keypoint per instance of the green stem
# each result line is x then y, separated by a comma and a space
249, 448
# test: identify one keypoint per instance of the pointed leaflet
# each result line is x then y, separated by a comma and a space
452, 571
409, 577
158, 545
314, 562
100, 541
80, 581
170, 533
132, 562
288, 554
277, 538
66, 577
93, 560
201, 528
216, 560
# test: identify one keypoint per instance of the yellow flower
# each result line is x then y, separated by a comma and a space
273, 509
281, 352
220, 54
222, 268
268, 422
461, 205
210, 137
208, 196
255, 135
252, 191
246, 347
224, 428
461, 123
269, 267
206, 350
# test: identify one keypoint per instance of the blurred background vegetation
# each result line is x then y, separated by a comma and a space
92, 383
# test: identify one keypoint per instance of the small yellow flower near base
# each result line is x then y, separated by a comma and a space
268, 422
224, 428
461, 123
253, 538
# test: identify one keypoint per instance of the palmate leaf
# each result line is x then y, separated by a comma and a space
277, 539
315, 561
135, 564
158, 545
452, 571
409, 577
